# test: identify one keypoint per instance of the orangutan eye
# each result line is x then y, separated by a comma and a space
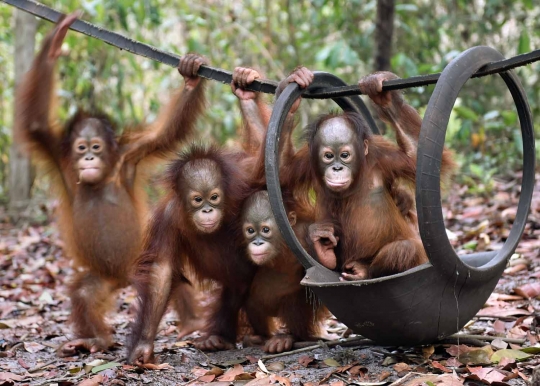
266, 229
81, 147
214, 197
328, 156
250, 231
345, 155
96, 147
198, 199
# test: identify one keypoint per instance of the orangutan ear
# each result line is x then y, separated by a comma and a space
292, 217
366, 150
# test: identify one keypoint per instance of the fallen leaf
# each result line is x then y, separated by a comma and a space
528, 291
183, 343
515, 269
207, 378
109, 365
275, 366
434, 380
530, 350
487, 374
4, 376
399, 367
33, 347
439, 366
389, 361
270, 380
94, 381
305, 360
262, 366
149, 366
231, 374
506, 363
477, 357
499, 326
383, 375
499, 344
453, 362
428, 351
455, 350
498, 311
508, 353
331, 362
23, 364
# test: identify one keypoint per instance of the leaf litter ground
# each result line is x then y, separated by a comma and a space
34, 309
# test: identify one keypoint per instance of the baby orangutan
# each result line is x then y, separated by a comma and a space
359, 229
276, 289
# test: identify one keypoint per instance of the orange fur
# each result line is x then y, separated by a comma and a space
101, 224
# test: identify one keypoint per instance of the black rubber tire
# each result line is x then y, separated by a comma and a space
432, 136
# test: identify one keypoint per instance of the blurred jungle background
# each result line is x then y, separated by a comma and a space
349, 39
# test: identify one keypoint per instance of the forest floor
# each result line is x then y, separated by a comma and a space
34, 309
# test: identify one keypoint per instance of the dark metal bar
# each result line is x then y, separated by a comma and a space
262, 85
133, 46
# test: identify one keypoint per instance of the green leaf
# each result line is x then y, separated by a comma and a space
531, 350
106, 366
331, 362
471, 245
524, 42
466, 112
509, 353
510, 117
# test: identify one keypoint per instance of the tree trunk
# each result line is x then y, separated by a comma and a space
21, 176
384, 30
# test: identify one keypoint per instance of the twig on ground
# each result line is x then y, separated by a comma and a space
356, 340
486, 338
466, 341
42, 366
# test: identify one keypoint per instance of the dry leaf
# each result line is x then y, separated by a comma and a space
275, 366
488, 375
528, 291
207, 378
428, 351
438, 380
4, 376
230, 375
152, 366
331, 362
305, 360
384, 375
499, 327
439, 366
399, 367
499, 344
477, 357
94, 381
498, 311
453, 362
33, 347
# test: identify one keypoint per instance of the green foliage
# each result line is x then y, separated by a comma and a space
276, 36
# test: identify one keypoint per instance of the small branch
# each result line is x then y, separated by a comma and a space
42, 366
486, 338
341, 342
